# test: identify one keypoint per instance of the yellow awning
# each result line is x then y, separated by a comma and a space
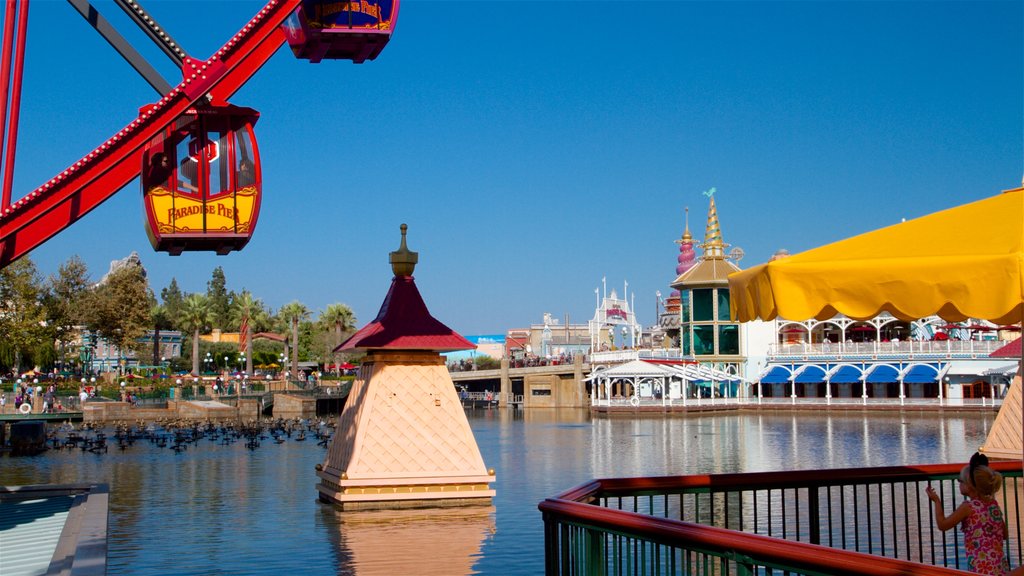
964, 262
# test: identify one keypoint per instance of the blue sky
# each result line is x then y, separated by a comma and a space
536, 147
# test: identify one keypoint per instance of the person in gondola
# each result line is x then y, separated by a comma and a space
246, 173
159, 170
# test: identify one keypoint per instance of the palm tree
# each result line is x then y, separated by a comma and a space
161, 321
294, 312
195, 316
245, 312
341, 318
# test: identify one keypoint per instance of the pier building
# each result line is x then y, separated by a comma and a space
880, 359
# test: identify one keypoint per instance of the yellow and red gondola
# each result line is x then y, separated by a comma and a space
201, 181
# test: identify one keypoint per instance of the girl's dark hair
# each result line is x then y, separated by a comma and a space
983, 479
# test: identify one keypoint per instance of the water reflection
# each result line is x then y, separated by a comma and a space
229, 510
438, 542
783, 441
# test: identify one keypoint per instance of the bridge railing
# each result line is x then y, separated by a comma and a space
852, 521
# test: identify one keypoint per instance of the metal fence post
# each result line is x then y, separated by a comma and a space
814, 515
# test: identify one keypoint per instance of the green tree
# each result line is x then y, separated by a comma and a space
119, 308
247, 313
294, 312
21, 323
219, 299
340, 319
63, 299
195, 316
173, 300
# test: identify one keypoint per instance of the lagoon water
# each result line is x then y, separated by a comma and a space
229, 510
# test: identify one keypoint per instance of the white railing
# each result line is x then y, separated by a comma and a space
945, 349
617, 356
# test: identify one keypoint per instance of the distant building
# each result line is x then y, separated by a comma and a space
97, 355
492, 345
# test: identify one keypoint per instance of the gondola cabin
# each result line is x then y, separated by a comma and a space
201, 181
354, 30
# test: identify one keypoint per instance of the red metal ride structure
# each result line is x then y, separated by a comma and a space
192, 122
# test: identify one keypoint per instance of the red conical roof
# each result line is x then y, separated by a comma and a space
403, 322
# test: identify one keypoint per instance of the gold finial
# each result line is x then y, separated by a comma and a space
687, 237
714, 247
403, 261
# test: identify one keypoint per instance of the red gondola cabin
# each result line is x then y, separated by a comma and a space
201, 181
354, 30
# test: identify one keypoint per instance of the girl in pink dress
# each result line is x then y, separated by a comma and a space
980, 517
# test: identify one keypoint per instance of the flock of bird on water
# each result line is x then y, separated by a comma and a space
178, 434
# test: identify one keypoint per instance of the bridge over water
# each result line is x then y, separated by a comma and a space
557, 386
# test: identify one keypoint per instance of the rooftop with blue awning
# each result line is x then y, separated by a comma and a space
810, 374
776, 375
921, 374
846, 375
883, 374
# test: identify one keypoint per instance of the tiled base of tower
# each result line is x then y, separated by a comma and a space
403, 440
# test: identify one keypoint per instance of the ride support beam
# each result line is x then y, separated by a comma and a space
89, 182
118, 43
10, 13
11, 139
156, 33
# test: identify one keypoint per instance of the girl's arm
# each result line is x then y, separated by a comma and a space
944, 522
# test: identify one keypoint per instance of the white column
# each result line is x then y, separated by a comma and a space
902, 392
864, 390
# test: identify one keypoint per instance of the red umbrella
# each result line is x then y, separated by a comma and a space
347, 366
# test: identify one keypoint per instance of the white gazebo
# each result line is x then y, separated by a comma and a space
663, 382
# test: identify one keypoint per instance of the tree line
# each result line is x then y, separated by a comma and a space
41, 319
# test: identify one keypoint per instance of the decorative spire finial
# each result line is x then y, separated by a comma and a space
713, 246
403, 261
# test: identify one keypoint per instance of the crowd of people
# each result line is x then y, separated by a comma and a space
468, 364
25, 394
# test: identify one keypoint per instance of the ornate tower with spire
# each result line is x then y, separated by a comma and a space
403, 439
706, 332
668, 318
